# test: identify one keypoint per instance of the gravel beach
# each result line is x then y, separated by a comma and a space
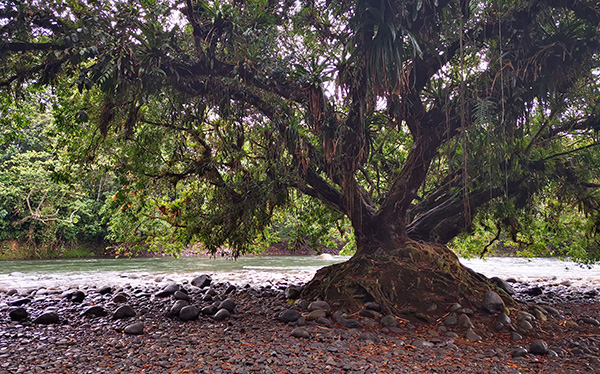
203, 326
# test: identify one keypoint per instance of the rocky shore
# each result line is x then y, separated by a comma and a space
203, 326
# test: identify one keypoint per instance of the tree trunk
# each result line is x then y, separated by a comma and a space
414, 280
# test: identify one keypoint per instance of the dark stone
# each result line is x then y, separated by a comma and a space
302, 303
120, 298
105, 290
292, 292
389, 321
590, 321
538, 347
189, 313
319, 305
177, 306
367, 313
125, 311
300, 332
369, 336
465, 321
47, 318
202, 281
316, 314
75, 296
231, 288
95, 311
78, 296
324, 321
288, 316
492, 303
168, 290
455, 307
534, 291
180, 295
472, 336
519, 352
134, 329
221, 315
209, 310
451, 320
502, 284
19, 302
373, 306
351, 323
18, 314
422, 343
228, 304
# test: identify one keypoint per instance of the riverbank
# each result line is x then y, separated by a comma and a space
81, 330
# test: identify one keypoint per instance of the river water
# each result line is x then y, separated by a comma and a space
254, 270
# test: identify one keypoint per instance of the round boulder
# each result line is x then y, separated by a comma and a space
292, 292
538, 347
125, 311
134, 329
300, 332
18, 314
202, 281
120, 298
389, 321
180, 295
189, 313
47, 318
95, 311
221, 315
228, 304
288, 316
319, 305
177, 306
168, 290
493, 303
209, 310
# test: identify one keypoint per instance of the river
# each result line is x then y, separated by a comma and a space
254, 270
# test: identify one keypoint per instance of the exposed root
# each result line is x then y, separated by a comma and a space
419, 280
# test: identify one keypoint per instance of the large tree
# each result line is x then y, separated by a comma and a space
408, 117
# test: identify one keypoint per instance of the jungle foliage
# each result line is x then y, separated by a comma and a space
49, 207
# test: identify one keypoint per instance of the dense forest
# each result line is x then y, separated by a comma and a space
400, 127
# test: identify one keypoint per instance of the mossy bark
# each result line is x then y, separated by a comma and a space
418, 280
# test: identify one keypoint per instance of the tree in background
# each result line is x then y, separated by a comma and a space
44, 207
407, 117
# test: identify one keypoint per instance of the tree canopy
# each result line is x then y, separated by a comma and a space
411, 118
